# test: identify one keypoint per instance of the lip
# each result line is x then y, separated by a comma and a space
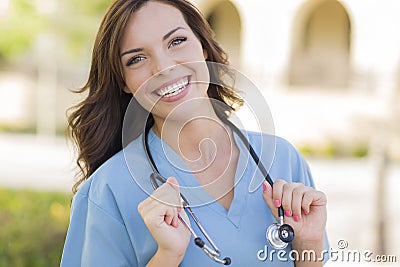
170, 83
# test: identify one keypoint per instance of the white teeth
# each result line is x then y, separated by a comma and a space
174, 89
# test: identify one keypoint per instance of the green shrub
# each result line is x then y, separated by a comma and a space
334, 149
306, 150
32, 227
360, 151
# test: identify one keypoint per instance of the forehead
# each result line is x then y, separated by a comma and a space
154, 18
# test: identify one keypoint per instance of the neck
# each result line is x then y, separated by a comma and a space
207, 147
196, 140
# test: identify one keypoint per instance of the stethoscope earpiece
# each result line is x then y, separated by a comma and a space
279, 236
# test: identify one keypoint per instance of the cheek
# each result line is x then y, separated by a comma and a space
134, 79
137, 82
201, 71
195, 54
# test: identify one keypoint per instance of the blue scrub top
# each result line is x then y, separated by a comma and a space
106, 229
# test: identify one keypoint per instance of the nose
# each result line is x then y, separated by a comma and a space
163, 63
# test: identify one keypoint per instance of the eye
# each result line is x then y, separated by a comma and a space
177, 41
135, 60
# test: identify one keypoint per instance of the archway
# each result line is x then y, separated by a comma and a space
321, 46
225, 21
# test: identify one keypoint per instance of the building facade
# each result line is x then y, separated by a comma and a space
328, 69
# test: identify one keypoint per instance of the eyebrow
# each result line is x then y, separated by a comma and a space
171, 32
166, 36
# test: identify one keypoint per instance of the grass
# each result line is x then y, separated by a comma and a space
32, 227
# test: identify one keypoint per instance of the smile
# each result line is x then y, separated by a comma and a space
174, 89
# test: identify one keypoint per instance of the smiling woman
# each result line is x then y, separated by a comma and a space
161, 54
96, 122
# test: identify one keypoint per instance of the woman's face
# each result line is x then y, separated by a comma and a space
156, 44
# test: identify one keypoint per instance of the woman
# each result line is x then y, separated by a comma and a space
155, 51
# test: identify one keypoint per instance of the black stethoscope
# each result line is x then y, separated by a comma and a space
278, 234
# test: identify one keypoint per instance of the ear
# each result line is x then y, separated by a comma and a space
205, 54
126, 90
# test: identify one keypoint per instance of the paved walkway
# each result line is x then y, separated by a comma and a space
350, 186
27, 161
31, 162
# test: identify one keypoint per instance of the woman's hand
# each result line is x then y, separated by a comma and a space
160, 214
304, 208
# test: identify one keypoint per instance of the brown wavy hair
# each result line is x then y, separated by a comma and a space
95, 123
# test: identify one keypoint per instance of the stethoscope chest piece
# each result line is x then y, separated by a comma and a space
279, 236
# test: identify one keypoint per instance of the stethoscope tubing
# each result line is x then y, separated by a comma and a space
215, 252
253, 155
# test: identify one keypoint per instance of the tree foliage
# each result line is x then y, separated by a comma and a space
18, 28
73, 22
79, 21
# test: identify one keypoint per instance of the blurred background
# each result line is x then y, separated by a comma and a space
329, 70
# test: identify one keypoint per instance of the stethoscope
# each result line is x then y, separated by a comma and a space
278, 234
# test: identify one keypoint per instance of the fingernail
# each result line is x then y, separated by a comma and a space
296, 218
288, 213
306, 212
277, 203
264, 187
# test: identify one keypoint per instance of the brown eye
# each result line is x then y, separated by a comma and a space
177, 41
134, 60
